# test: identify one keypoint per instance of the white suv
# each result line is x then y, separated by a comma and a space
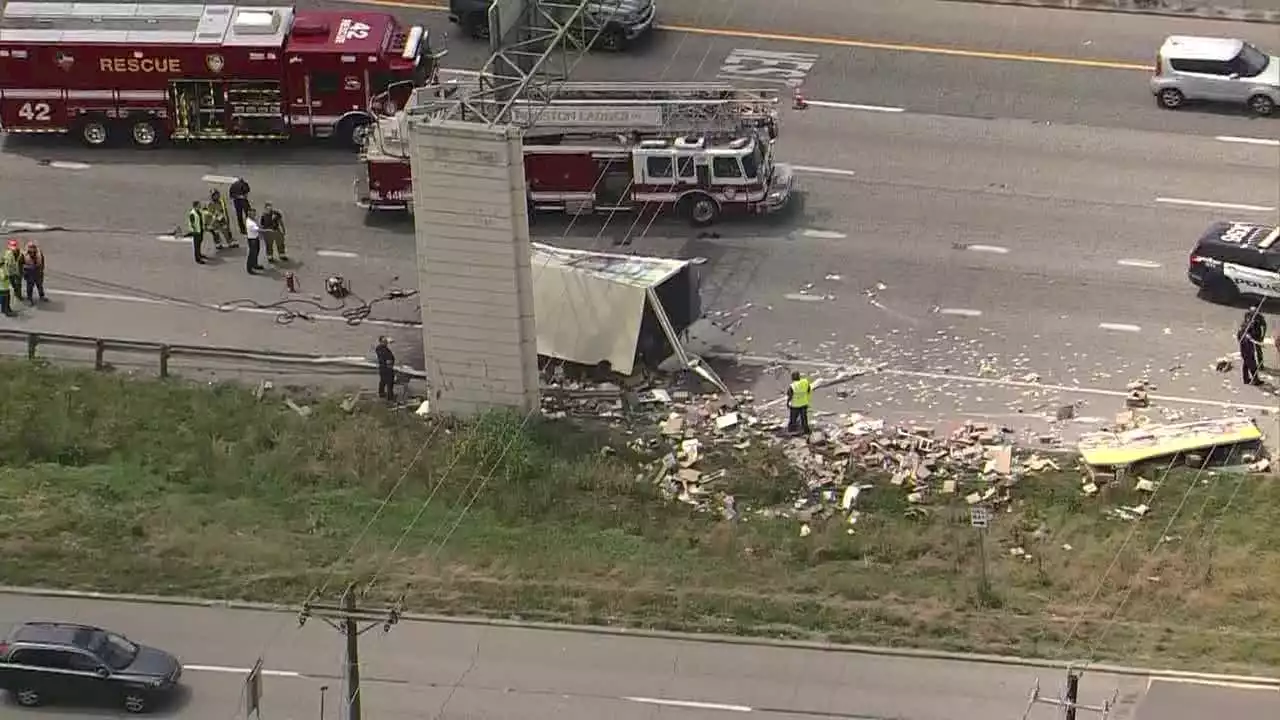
1215, 69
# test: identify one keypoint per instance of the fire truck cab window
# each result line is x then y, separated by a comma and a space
659, 167
686, 167
726, 167
324, 83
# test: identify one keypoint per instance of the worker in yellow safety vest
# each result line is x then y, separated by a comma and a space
799, 392
217, 221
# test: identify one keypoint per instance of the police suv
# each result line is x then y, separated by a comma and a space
1235, 259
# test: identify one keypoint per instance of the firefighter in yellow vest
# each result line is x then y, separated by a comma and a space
217, 221
799, 392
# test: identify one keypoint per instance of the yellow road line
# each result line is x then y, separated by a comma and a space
844, 42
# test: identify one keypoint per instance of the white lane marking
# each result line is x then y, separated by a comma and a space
240, 670
68, 165
979, 380
1214, 205
771, 66
218, 179
1131, 262
336, 254
22, 225
824, 234
173, 239
854, 106
1248, 140
961, 312
1234, 685
996, 249
1120, 327
823, 170
801, 297
690, 704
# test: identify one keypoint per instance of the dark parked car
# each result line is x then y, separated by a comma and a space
50, 661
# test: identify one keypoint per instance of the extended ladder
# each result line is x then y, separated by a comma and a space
643, 108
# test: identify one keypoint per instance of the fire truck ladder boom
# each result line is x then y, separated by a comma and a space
648, 108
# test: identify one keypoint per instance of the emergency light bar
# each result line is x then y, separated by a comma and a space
413, 43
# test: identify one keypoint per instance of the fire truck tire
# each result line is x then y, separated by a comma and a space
144, 133
94, 131
351, 132
700, 209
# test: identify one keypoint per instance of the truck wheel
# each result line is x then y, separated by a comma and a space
352, 131
478, 26
95, 131
145, 133
610, 40
701, 210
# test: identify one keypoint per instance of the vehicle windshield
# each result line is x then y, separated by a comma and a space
1251, 61
114, 650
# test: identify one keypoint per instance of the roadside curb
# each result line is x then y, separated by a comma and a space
906, 653
1169, 8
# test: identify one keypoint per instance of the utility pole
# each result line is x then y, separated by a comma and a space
346, 617
1069, 701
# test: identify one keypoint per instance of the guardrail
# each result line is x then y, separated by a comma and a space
166, 352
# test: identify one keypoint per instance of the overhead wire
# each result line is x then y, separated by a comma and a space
573, 309
505, 449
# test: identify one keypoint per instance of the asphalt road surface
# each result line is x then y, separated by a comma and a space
457, 672
994, 214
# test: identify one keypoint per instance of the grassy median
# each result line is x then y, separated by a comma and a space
117, 484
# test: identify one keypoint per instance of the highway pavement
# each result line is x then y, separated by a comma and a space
1000, 231
451, 672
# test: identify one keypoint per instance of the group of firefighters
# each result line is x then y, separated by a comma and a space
21, 269
214, 218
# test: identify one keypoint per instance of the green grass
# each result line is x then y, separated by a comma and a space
116, 484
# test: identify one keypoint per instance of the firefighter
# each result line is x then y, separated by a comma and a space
33, 272
272, 224
239, 192
799, 393
218, 221
6, 283
195, 230
386, 368
12, 262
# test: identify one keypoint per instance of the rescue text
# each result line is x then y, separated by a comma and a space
147, 65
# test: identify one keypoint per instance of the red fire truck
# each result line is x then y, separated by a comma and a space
146, 72
703, 148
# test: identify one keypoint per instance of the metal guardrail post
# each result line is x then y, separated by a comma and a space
33, 341
165, 352
99, 350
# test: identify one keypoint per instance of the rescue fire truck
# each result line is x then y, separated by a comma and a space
149, 72
705, 149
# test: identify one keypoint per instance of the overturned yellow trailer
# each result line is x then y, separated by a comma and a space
1151, 442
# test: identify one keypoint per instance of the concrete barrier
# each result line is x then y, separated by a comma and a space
1259, 11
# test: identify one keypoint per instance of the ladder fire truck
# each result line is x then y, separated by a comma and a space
705, 149
144, 72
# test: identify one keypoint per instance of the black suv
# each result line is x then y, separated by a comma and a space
614, 24
51, 661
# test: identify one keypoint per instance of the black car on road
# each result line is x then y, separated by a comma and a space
51, 661
1235, 260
